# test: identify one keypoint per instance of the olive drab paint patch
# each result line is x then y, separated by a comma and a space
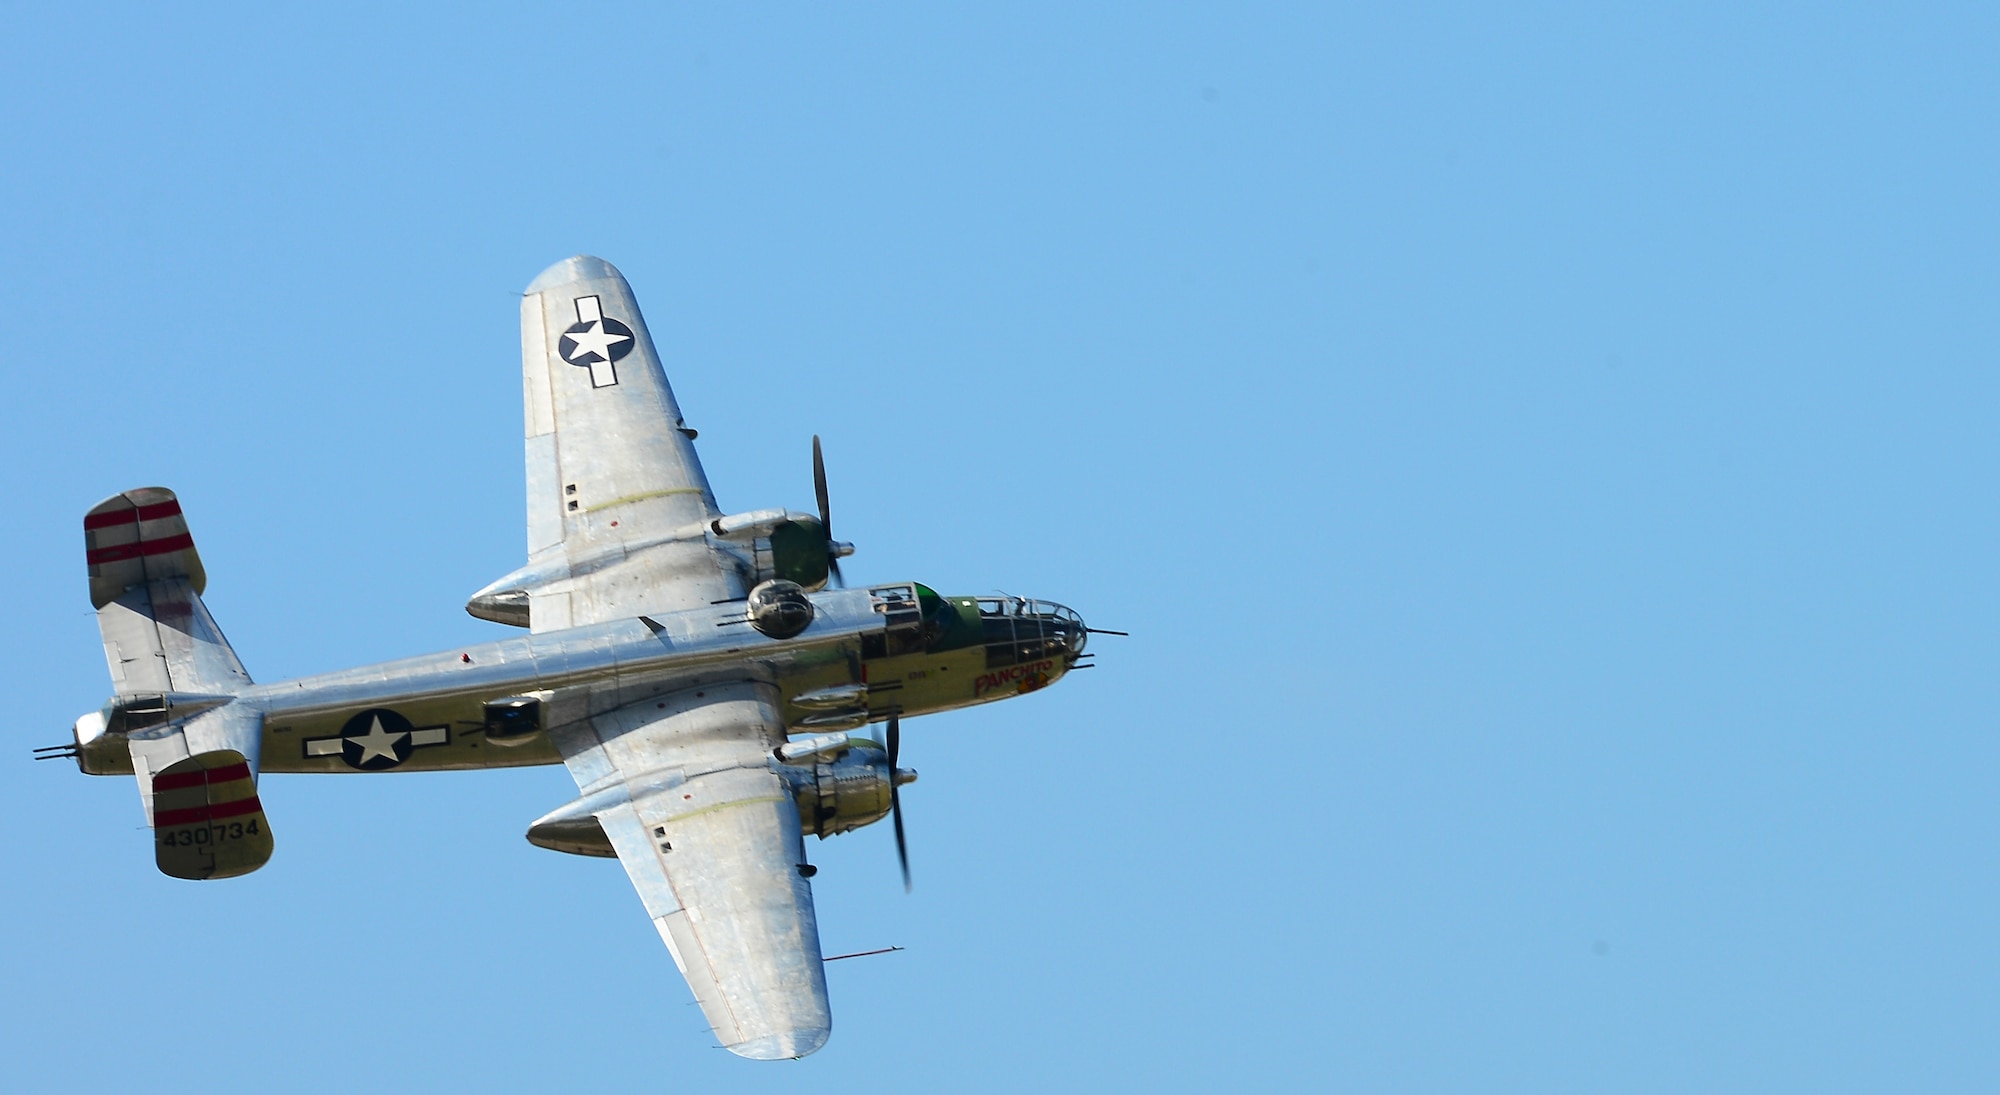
377, 739
1023, 678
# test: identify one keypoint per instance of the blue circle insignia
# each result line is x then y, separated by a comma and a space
376, 739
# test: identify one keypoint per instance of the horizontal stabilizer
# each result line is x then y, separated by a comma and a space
207, 820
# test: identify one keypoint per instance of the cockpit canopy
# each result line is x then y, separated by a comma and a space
1013, 630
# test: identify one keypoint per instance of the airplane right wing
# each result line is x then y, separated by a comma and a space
612, 471
709, 834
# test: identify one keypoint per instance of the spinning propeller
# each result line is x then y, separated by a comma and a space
896, 799
834, 548
834, 551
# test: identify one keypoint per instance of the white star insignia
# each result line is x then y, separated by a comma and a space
378, 742
597, 341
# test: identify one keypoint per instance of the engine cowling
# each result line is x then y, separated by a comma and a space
846, 791
776, 544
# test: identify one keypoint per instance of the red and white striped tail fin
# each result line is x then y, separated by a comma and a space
146, 582
207, 820
197, 773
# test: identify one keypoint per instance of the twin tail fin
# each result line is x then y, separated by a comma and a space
197, 775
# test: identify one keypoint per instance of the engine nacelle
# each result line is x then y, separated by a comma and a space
777, 544
845, 792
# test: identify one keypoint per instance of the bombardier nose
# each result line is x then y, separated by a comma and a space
1029, 629
1075, 634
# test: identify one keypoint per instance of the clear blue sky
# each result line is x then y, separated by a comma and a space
1545, 457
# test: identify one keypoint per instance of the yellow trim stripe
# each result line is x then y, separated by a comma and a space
732, 804
630, 498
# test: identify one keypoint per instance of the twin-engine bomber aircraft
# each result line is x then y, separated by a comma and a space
690, 668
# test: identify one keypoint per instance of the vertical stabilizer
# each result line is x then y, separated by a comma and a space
146, 582
207, 819
197, 771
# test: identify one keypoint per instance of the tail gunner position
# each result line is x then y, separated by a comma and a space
690, 667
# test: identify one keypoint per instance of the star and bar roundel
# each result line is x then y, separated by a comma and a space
596, 342
377, 739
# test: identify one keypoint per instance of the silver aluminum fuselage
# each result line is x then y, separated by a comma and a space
576, 672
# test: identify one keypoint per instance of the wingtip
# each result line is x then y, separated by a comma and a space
573, 269
782, 1047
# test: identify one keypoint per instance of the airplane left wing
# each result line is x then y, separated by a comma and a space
614, 485
683, 785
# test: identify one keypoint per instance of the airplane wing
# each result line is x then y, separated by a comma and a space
612, 471
683, 785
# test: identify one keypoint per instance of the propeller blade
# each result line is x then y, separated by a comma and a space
819, 489
902, 849
895, 744
826, 515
